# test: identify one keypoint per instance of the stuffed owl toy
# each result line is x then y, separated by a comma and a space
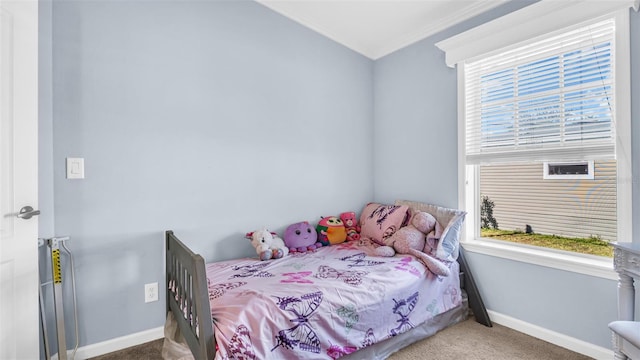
331, 231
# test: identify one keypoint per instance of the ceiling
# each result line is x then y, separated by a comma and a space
376, 28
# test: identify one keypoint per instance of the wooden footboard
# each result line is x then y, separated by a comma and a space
188, 297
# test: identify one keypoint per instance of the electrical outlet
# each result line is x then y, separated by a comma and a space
151, 292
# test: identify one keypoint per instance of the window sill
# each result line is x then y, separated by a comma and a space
582, 264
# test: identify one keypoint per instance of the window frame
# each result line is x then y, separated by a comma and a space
469, 175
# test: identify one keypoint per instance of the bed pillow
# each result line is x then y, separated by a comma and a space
446, 237
379, 221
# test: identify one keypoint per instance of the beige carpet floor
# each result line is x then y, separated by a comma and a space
467, 340
470, 340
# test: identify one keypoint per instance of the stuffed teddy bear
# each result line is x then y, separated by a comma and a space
351, 224
301, 237
267, 244
411, 239
331, 231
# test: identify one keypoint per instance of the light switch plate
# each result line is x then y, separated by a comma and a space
75, 168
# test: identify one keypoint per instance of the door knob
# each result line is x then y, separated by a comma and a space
27, 212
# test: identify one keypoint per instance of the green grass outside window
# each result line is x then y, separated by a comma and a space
591, 245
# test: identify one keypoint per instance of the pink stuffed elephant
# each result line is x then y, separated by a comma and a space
411, 240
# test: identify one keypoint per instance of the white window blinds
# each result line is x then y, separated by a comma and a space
551, 99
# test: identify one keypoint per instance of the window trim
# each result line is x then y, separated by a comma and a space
535, 20
468, 176
592, 265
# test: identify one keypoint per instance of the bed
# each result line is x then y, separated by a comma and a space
340, 301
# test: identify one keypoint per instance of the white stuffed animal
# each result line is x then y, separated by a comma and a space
268, 244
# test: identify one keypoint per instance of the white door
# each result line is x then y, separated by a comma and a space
19, 321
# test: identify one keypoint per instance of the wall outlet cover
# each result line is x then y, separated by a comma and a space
151, 292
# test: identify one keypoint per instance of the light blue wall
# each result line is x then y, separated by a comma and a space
415, 151
209, 118
215, 118
415, 99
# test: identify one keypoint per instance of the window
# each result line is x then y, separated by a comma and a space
537, 105
550, 96
568, 170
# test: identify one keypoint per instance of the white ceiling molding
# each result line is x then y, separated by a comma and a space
463, 13
376, 28
539, 19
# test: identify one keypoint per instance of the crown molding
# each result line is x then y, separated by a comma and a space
465, 13
392, 45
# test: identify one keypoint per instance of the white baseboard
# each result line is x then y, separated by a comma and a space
567, 342
115, 344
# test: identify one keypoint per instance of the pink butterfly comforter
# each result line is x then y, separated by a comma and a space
322, 304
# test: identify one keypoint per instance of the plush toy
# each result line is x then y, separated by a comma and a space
268, 245
331, 231
301, 237
351, 225
411, 240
